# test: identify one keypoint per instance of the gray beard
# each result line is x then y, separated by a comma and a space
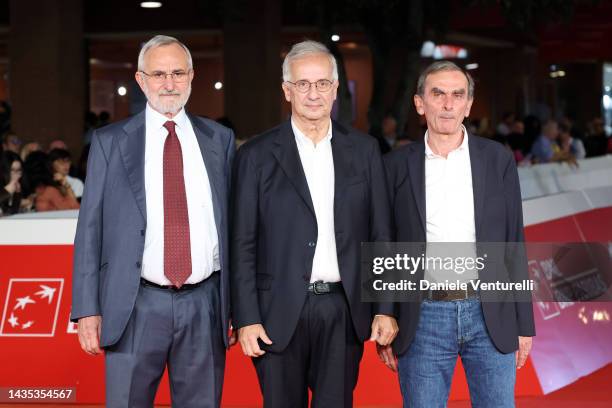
169, 106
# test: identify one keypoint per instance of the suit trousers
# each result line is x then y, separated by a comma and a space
323, 356
178, 329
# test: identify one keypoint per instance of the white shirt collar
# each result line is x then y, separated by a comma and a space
464, 144
157, 120
304, 140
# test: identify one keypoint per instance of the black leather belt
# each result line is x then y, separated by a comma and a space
448, 295
185, 286
322, 288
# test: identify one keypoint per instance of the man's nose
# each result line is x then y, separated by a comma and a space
312, 92
169, 82
448, 102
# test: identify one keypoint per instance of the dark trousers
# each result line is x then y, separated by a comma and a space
179, 329
323, 355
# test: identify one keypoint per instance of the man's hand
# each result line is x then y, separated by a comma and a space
523, 351
248, 335
89, 334
385, 353
384, 329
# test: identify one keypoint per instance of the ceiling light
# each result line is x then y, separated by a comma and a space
151, 4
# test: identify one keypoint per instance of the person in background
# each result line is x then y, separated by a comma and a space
505, 126
12, 142
570, 146
59, 163
389, 131
546, 148
596, 141
57, 144
29, 148
11, 171
50, 195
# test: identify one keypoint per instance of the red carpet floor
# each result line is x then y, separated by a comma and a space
594, 391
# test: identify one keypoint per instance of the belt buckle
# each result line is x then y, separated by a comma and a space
315, 287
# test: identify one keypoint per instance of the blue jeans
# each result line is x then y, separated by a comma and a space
446, 330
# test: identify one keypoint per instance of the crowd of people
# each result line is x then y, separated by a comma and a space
531, 140
50, 180
34, 178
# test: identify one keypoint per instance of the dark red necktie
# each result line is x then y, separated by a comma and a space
177, 246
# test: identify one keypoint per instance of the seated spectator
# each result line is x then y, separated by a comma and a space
50, 194
11, 170
570, 145
29, 148
547, 148
59, 163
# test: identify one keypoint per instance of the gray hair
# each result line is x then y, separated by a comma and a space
439, 66
160, 41
303, 49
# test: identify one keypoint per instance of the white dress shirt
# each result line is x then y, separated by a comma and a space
449, 200
202, 227
318, 163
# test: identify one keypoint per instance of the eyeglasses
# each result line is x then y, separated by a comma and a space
303, 86
160, 76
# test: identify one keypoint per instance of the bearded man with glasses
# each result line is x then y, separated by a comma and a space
151, 263
305, 195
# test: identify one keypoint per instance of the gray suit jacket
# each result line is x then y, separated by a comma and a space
110, 235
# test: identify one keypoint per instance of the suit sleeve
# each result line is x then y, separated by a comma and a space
88, 240
516, 258
380, 215
244, 209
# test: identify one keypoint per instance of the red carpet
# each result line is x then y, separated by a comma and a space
593, 391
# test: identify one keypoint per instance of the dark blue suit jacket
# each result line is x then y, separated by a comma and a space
274, 230
498, 218
110, 235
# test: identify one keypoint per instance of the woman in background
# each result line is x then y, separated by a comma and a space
11, 170
51, 194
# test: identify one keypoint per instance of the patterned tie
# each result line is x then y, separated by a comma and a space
177, 246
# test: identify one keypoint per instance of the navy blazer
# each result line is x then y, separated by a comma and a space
498, 218
274, 232
110, 234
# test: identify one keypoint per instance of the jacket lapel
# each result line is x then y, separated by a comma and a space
286, 153
132, 147
416, 165
212, 155
478, 164
342, 152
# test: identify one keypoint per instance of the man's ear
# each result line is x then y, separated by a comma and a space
418, 103
140, 80
286, 91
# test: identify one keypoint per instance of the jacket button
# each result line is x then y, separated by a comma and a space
138, 264
311, 244
142, 233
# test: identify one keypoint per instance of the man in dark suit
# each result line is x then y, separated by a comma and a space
150, 280
305, 195
456, 187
